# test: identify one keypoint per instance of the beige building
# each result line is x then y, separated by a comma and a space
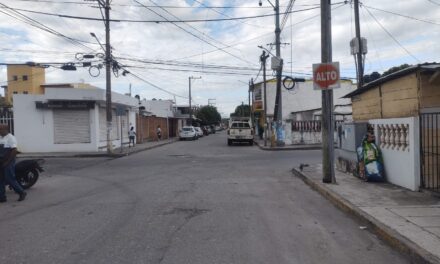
405, 93
24, 79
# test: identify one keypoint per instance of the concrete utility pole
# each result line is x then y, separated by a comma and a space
263, 59
108, 77
327, 123
278, 113
190, 108
360, 64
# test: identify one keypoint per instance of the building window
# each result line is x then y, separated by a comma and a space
25, 77
15, 78
15, 92
25, 92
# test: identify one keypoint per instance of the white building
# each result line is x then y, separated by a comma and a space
71, 120
303, 102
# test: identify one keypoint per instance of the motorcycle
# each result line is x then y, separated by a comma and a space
28, 171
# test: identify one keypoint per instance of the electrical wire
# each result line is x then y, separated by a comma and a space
391, 36
192, 34
405, 16
23, 18
160, 21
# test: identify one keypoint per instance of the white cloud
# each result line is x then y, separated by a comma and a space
165, 41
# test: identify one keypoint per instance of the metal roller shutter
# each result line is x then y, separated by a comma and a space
71, 126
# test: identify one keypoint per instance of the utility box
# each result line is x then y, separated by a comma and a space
351, 135
275, 63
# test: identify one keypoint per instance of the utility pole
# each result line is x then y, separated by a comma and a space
108, 76
278, 113
327, 123
360, 65
263, 59
249, 95
130, 89
190, 108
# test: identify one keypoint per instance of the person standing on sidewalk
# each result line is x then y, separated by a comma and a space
159, 133
8, 147
131, 136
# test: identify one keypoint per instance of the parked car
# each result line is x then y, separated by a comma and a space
188, 132
199, 132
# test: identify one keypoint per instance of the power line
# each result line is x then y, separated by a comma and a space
391, 36
405, 16
259, 36
192, 34
30, 21
161, 21
165, 6
435, 3
155, 86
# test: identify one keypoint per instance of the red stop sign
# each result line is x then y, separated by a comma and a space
326, 75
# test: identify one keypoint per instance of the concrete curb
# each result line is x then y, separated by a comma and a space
95, 155
390, 236
287, 148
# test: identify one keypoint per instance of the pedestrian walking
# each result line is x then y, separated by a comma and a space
8, 152
159, 133
131, 136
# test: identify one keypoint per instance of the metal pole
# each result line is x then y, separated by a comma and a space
278, 113
190, 110
360, 65
120, 122
108, 77
327, 98
263, 60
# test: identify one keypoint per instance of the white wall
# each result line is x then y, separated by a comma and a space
303, 97
402, 166
159, 108
34, 128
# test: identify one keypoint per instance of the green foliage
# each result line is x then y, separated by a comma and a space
395, 69
209, 115
242, 110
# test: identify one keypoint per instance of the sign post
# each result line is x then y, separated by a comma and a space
326, 76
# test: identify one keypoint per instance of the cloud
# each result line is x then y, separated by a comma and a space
199, 42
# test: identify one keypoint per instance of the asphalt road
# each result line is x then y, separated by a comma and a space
187, 202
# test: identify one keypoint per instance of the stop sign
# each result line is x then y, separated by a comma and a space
326, 75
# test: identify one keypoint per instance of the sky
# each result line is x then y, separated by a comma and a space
162, 55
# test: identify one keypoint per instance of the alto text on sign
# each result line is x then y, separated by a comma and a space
326, 75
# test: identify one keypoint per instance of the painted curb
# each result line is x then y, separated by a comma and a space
416, 253
287, 148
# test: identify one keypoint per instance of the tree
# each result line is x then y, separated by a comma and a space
209, 115
371, 77
242, 110
395, 69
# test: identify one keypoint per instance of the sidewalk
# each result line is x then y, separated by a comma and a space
260, 144
408, 221
116, 152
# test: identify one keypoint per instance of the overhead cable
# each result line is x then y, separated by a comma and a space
162, 21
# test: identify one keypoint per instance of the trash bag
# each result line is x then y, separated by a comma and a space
370, 161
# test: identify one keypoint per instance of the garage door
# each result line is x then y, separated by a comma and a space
71, 126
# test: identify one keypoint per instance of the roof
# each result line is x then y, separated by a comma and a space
420, 67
